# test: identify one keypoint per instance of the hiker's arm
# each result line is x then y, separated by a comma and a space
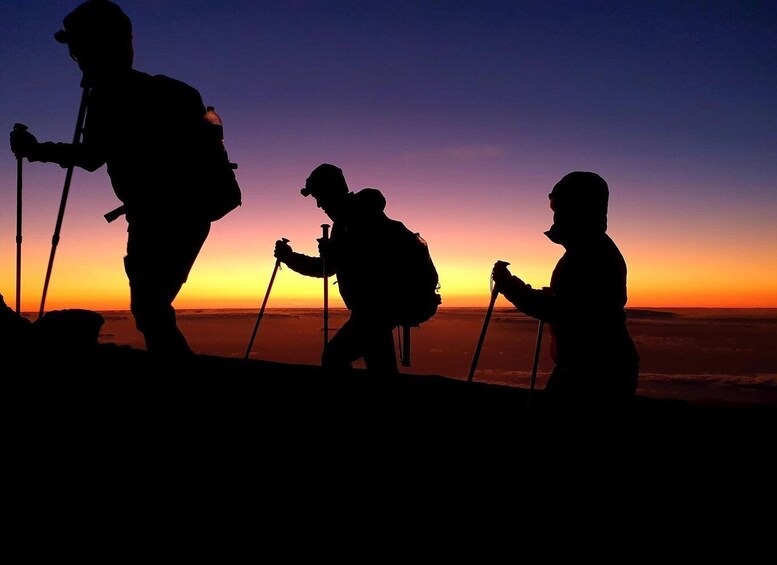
539, 304
67, 155
305, 265
298, 262
83, 155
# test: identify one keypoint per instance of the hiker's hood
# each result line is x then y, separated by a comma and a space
579, 203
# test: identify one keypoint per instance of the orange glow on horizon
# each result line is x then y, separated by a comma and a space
215, 286
669, 268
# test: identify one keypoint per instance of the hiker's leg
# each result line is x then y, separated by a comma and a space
157, 264
379, 352
151, 305
344, 348
366, 334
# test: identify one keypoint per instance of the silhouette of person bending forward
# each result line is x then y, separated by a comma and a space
361, 253
595, 357
149, 131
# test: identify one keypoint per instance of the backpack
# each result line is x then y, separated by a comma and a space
417, 282
216, 191
221, 192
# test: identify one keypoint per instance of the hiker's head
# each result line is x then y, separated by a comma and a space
579, 204
327, 185
99, 36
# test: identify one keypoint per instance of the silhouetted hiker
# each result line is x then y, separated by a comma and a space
362, 252
595, 357
152, 134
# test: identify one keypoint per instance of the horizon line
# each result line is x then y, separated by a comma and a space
343, 309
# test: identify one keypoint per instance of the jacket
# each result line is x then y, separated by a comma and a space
585, 309
360, 254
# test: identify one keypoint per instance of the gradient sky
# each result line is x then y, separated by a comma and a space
463, 113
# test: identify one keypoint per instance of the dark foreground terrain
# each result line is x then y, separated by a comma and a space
107, 443
122, 398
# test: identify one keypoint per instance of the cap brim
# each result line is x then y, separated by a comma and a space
61, 36
305, 191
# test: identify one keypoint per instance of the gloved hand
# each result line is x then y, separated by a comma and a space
324, 247
282, 250
500, 274
23, 143
504, 281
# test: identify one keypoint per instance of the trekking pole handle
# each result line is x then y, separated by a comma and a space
19, 127
497, 264
284, 240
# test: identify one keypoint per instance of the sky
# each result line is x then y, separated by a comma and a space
464, 114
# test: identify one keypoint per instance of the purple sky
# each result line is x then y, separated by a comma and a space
463, 113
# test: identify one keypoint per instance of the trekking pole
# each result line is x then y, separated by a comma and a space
264, 303
494, 294
325, 237
19, 127
63, 201
533, 380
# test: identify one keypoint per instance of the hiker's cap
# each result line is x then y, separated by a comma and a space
325, 178
95, 19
